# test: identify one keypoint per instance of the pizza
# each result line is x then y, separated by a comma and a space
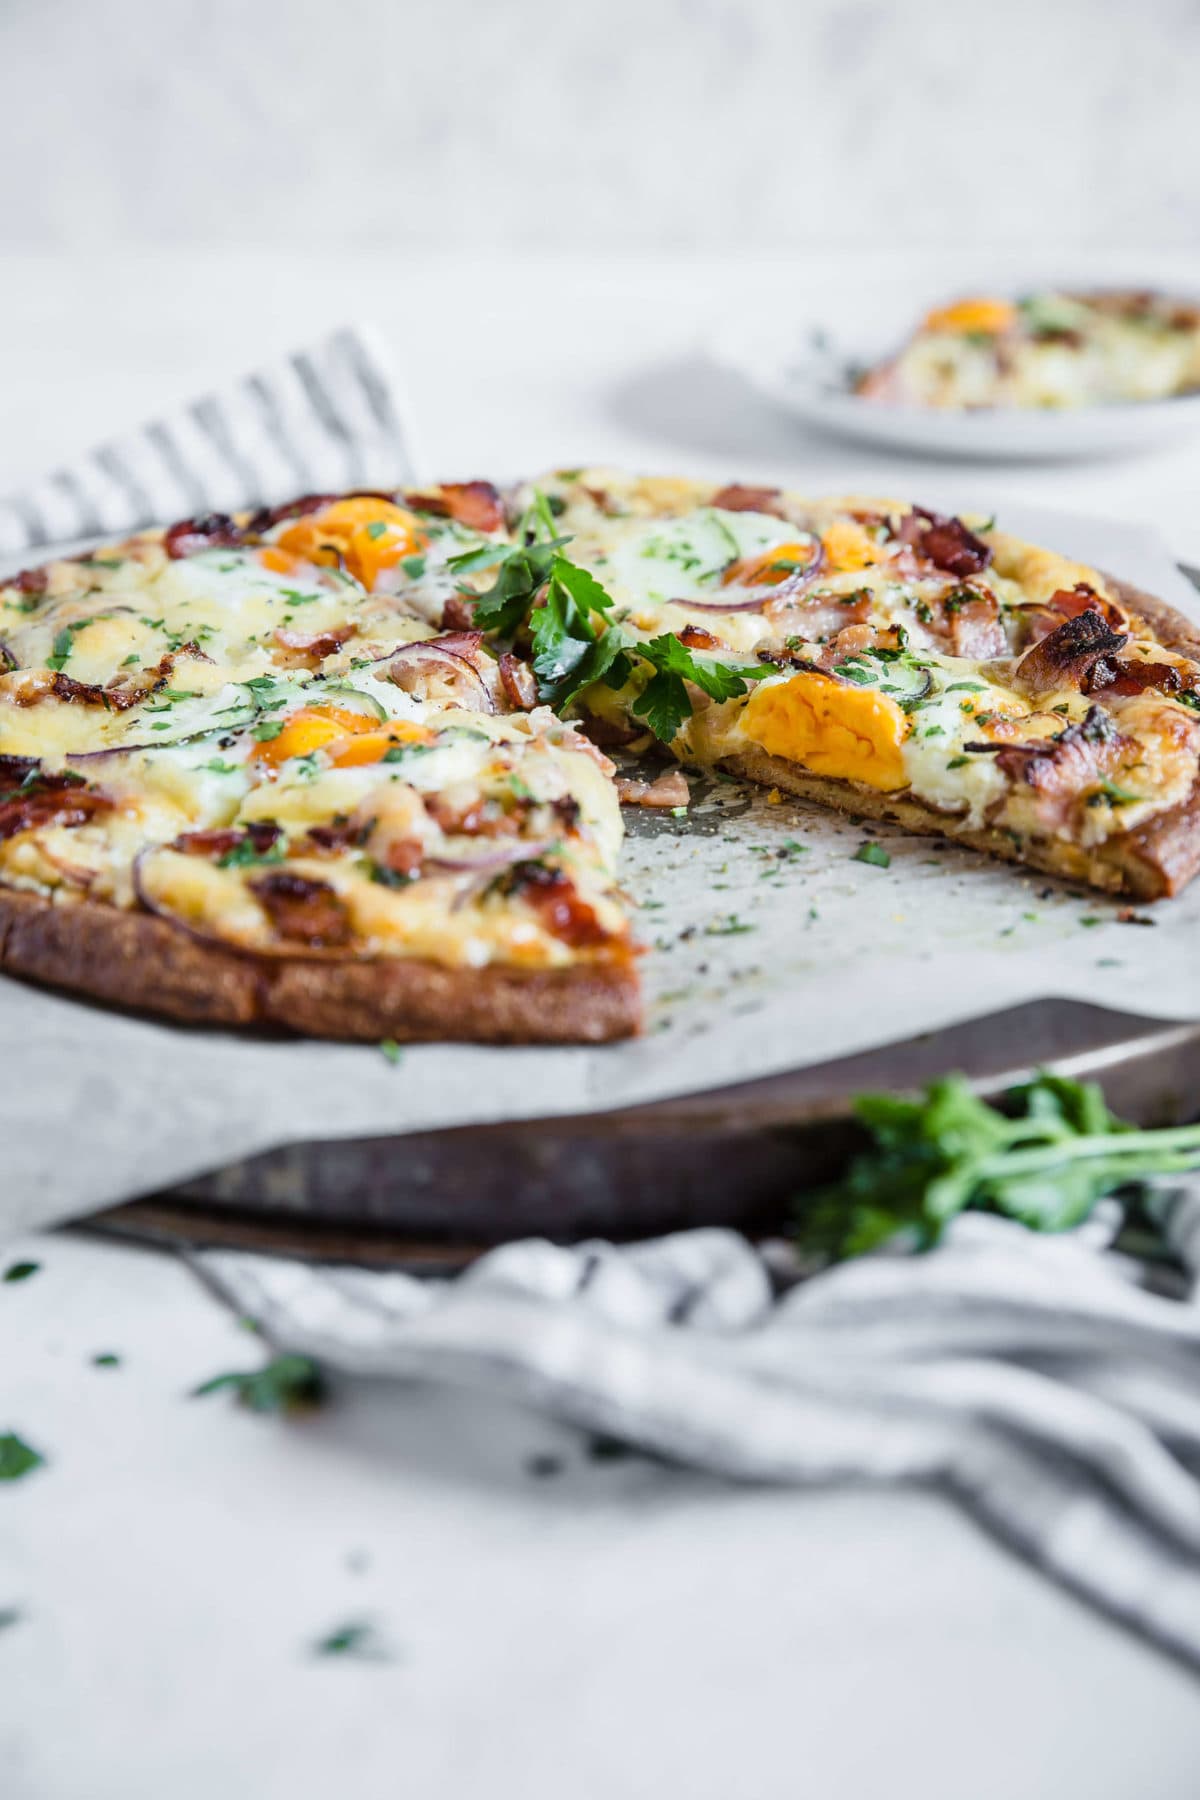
342, 766
1048, 349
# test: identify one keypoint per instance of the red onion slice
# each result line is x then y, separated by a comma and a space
414, 667
786, 591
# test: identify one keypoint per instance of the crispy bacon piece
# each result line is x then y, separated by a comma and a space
736, 498
696, 638
944, 541
28, 581
404, 856
267, 516
552, 894
1066, 603
668, 789
475, 504
967, 620
308, 650
458, 613
1068, 656
1127, 677
302, 910
210, 531
340, 834
261, 835
49, 800
518, 680
1062, 766
121, 693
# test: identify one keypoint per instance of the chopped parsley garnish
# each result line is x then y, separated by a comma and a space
266, 729
413, 566
1114, 795
283, 1385
389, 878
967, 687
21, 1271
377, 529
729, 926
217, 766
17, 1458
875, 854
391, 1050
243, 855
957, 762
107, 1359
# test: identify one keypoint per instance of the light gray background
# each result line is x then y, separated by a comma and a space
641, 124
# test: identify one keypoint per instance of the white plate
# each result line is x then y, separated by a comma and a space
804, 367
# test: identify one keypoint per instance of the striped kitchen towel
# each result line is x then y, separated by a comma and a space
322, 419
1032, 1378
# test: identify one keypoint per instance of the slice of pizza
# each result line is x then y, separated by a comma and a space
887, 661
1048, 349
246, 778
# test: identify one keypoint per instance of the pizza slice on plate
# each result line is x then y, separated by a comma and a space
340, 766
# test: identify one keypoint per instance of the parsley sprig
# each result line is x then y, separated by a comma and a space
1045, 1161
575, 640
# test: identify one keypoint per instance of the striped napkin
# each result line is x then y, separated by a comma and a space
1030, 1377
323, 418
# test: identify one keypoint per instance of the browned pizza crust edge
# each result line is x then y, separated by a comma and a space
136, 960
1153, 862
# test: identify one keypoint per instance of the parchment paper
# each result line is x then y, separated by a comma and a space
757, 963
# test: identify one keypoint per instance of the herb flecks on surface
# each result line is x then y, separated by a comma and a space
17, 1458
286, 1384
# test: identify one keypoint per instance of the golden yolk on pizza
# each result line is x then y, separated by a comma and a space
348, 738
364, 534
770, 569
982, 314
849, 733
849, 546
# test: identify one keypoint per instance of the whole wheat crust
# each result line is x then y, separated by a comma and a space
134, 959
1151, 863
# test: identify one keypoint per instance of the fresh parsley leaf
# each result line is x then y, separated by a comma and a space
391, 1050
1045, 1160
21, 1271
217, 766
504, 606
107, 1359
17, 1458
665, 703
283, 1385
266, 729
413, 566
61, 648
377, 528
875, 854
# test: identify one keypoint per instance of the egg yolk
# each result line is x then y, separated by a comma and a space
849, 733
848, 545
362, 534
981, 314
348, 738
769, 569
